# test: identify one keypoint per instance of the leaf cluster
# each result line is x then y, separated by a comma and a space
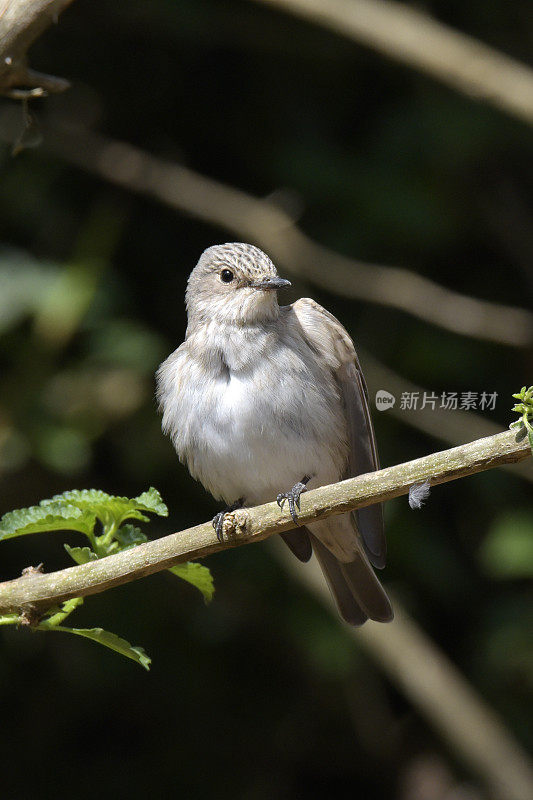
525, 409
103, 519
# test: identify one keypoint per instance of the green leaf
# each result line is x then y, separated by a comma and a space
525, 409
129, 536
48, 516
507, 551
112, 510
111, 640
81, 498
107, 639
81, 555
151, 501
198, 576
78, 510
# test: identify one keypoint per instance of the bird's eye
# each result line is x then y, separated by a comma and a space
226, 276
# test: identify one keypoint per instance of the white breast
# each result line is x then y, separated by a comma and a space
255, 426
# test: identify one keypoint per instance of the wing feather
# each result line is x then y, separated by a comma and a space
328, 337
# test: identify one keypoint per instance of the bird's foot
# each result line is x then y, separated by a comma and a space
218, 519
293, 497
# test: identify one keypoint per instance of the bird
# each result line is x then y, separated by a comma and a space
263, 401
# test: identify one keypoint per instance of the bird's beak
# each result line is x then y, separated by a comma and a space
271, 283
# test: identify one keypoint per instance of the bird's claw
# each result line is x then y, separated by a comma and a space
218, 523
293, 497
218, 520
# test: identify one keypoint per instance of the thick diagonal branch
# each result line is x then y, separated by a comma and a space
35, 592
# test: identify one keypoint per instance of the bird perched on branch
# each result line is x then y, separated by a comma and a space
263, 401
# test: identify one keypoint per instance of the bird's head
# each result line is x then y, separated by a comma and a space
235, 283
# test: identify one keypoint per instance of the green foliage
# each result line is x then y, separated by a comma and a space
198, 576
130, 536
111, 510
111, 640
525, 409
80, 510
81, 555
47, 516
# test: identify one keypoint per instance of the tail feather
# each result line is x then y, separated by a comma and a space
354, 586
340, 551
349, 608
367, 589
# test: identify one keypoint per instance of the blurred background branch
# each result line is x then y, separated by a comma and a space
404, 33
273, 229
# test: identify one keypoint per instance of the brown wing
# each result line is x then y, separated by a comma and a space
325, 334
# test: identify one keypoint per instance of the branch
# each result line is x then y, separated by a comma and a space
21, 23
36, 592
263, 222
412, 37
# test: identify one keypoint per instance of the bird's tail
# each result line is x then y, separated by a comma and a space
355, 588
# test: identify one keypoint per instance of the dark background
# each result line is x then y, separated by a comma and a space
261, 694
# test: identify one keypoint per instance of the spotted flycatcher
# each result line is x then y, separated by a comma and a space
260, 398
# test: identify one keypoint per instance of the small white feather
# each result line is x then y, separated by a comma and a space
418, 494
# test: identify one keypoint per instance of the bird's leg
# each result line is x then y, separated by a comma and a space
218, 519
293, 496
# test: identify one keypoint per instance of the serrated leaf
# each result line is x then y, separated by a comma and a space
197, 575
129, 536
107, 639
78, 510
110, 509
53, 516
81, 498
81, 555
151, 501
